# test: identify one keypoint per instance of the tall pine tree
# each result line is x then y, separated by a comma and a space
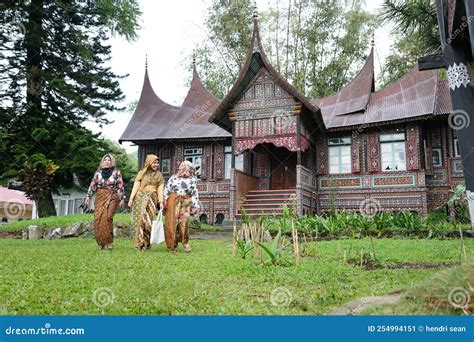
54, 78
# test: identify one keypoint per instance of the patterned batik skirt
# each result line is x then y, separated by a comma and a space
104, 208
143, 213
177, 220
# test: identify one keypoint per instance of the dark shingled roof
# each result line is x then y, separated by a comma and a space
150, 114
256, 59
353, 97
416, 94
155, 119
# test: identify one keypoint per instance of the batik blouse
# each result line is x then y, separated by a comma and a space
183, 187
114, 182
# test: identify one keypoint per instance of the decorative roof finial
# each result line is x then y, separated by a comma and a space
194, 58
146, 61
255, 12
372, 42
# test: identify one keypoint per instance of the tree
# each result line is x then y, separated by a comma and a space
220, 55
318, 46
56, 79
403, 56
416, 32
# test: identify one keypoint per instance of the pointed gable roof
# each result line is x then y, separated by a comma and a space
256, 59
353, 97
149, 115
192, 119
414, 95
155, 119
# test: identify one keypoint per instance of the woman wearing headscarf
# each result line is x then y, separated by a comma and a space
107, 185
147, 193
181, 201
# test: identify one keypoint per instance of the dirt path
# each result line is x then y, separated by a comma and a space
357, 306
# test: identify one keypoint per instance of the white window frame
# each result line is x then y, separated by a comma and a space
62, 207
393, 139
239, 161
77, 209
194, 155
457, 152
339, 147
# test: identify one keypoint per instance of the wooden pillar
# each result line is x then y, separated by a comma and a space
299, 191
233, 180
298, 140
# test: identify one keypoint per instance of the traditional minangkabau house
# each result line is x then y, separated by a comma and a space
266, 144
182, 133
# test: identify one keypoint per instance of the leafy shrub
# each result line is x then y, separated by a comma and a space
356, 225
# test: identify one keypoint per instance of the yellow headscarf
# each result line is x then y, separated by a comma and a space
149, 160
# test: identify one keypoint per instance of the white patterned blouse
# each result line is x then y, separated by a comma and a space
184, 187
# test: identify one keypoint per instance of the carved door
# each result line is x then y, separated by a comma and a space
283, 168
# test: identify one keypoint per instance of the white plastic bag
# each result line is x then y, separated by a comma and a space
157, 230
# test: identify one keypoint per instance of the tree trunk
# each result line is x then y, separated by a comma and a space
46, 205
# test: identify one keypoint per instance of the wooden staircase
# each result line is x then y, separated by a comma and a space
267, 202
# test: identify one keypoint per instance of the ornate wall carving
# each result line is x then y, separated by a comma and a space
321, 154
219, 167
413, 147
374, 152
355, 153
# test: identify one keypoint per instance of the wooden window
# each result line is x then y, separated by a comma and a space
165, 166
194, 155
239, 161
339, 155
392, 150
437, 156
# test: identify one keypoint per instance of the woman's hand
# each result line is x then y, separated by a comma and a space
122, 204
130, 203
86, 202
165, 204
194, 210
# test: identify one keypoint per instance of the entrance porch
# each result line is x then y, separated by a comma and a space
272, 180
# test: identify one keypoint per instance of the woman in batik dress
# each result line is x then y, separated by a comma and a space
147, 193
107, 185
181, 201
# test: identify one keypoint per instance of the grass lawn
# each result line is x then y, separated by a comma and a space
72, 277
52, 222
60, 221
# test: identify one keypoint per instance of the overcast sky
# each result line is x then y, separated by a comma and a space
169, 30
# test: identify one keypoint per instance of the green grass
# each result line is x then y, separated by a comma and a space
59, 277
59, 221
64, 221
436, 295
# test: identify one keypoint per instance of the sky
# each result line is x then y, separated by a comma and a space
169, 31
